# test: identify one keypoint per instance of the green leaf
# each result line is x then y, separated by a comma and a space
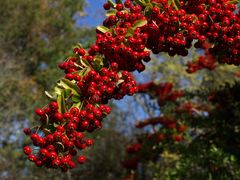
46, 131
118, 1
140, 2
176, 3
78, 105
232, 2
60, 146
85, 71
155, 4
148, 11
120, 81
59, 101
112, 4
130, 32
67, 93
57, 90
50, 96
76, 98
66, 84
82, 72
232, 158
111, 12
84, 62
103, 29
61, 104
79, 45
55, 124
139, 23
98, 62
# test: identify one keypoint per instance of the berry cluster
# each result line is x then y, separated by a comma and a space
63, 129
172, 28
173, 129
136, 152
132, 150
63, 136
100, 87
218, 22
93, 77
190, 108
124, 42
168, 29
163, 91
207, 61
80, 106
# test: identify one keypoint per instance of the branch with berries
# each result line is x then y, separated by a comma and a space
123, 44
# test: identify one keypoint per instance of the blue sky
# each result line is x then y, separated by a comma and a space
94, 13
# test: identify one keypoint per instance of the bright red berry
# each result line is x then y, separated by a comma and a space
81, 159
27, 150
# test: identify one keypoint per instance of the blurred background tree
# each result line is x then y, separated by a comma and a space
210, 150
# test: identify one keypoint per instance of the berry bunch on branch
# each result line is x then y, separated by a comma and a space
123, 44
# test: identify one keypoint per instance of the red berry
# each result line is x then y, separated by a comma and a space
81, 159
67, 115
74, 111
27, 150
27, 131
182, 128
39, 112
106, 6
53, 105
32, 157
89, 142
71, 164
60, 129
56, 163
50, 148
43, 152
69, 76
52, 155
85, 124
81, 52
119, 7
39, 163
114, 66
71, 126
58, 116
79, 136
35, 137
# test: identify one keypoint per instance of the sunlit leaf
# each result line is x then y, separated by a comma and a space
139, 23
50, 96
112, 4
141, 2
103, 29
61, 104
111, 12
66, 84
78, 105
